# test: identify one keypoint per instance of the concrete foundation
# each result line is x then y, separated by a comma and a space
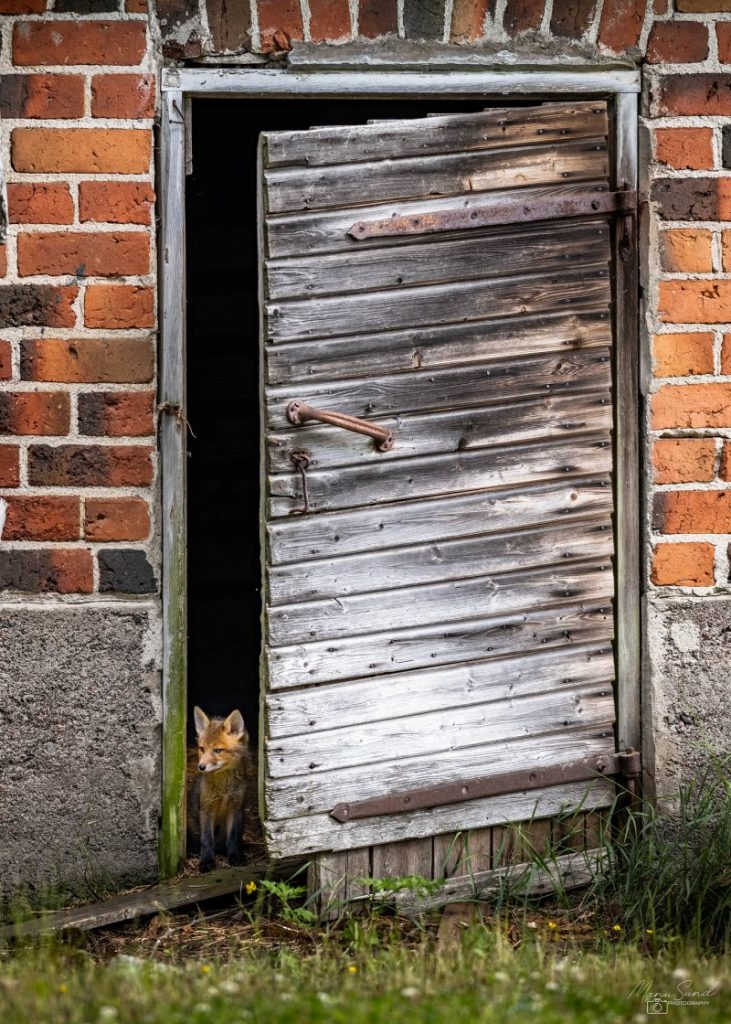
687, 712
80, 714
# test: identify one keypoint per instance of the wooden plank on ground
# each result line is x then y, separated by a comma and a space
177, 892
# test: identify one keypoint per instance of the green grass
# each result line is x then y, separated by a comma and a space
484, 980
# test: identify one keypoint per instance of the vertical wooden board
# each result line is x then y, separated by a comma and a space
327, 878
403, 858
596, 828
568, 832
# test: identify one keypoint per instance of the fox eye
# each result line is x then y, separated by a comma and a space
218, 750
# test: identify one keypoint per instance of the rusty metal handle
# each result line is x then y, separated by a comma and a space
299, 411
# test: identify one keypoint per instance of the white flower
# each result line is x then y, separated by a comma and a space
410, 992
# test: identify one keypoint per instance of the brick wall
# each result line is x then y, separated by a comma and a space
77, 298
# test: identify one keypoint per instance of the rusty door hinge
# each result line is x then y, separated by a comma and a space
626, 767
497, 212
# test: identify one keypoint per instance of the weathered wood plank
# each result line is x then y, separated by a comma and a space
301, 712
489, 129
456, 302
127, 906
451, 388
475, 255
337, 534
561, 415
403, 858
319, 792
433, 347
309, 834
439, 474
329, 749
569, 871
327, 230
471, 639
499, 594
292, 189
457, 559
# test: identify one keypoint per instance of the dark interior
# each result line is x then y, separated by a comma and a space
224, 570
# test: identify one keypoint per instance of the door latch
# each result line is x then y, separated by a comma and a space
299, 411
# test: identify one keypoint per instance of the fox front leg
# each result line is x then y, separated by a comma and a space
208, 841
234, 837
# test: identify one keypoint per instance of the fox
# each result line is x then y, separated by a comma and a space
218, 776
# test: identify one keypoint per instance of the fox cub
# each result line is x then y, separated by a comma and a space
219, 773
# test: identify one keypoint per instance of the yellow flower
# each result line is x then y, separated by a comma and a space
552, 925
250, 887
205, 968
63, 989
616, 927
352, 969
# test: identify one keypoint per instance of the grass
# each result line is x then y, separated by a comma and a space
653, 933
403, 977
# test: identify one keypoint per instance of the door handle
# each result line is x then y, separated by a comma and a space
299, 411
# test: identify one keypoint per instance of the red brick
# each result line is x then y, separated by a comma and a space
34, 412
707, 94
683, 460
230, 26
37, 305
329, 20
468, 19
136, 6
692, 405
683, 565
692, 512
523, 15
42, 518
87, 254
677, 42
82, 150
726, 355
23, 6
123, 96
116, 202
377, 18
621, 24
39, 204
73, 465
3, 260
59, 571
678, 355
88, 360
686, 251
280, 22
9, 465
660, 6
571, 18
695, 302
41, 96
693, 198
116, 519
685, 148
725, 468
119, 307
6, 361
703, 6
723, 34
117, 413
79, 42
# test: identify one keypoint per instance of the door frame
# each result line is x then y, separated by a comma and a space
471, 78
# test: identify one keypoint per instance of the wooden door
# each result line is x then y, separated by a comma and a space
441, 611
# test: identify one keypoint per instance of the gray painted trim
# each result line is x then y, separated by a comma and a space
475, 81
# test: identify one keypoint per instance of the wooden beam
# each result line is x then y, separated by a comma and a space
127, 906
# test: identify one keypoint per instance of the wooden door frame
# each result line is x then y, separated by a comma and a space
476, 79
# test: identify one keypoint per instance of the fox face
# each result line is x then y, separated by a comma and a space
221, 742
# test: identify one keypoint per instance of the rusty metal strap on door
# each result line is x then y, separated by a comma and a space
626, 766
492, 214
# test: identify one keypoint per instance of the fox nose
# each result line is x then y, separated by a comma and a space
201, 767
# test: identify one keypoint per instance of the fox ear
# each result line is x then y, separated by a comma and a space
234, 725
201, 720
